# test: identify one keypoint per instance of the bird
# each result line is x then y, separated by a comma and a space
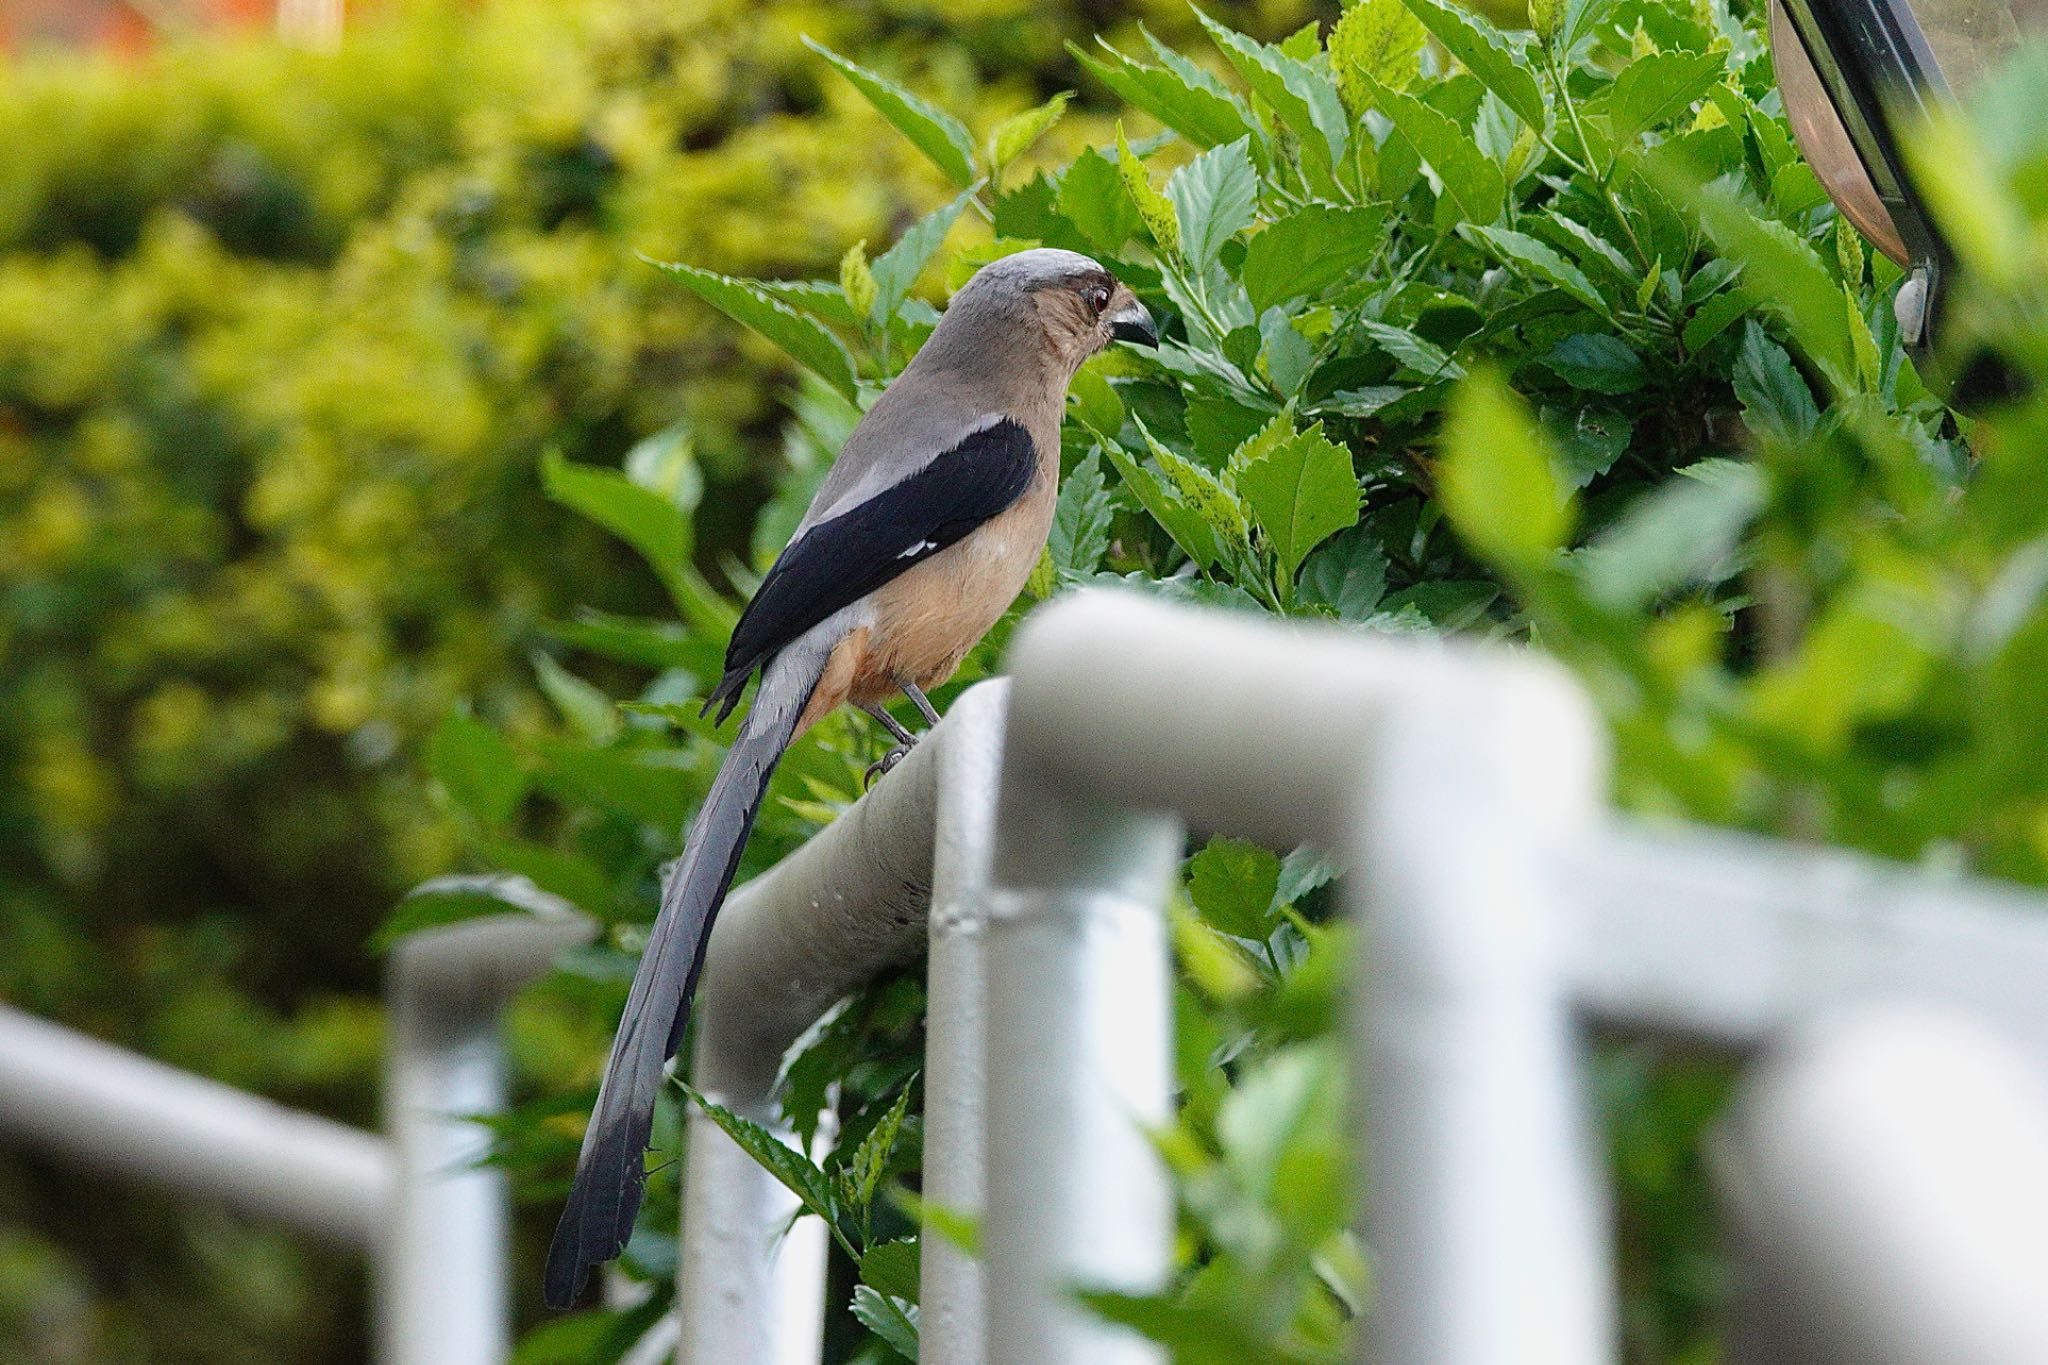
920, 537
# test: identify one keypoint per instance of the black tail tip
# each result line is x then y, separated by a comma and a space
574, 1253
568, 1271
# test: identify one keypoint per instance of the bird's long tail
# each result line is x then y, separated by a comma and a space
610, 1175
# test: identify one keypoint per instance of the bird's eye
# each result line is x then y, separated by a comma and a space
1097, 296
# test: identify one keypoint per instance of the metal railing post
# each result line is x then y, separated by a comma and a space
1885, 1175
1080, 1031
848, 905
952, 1323
1486, 1213
441, 1280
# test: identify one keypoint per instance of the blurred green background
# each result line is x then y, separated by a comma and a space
283, 336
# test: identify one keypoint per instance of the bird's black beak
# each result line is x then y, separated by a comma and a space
1133, 323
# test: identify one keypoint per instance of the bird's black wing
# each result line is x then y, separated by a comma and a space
846, 557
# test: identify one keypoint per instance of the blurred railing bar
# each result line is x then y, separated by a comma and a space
125, 1114
1733, 938
433, 1221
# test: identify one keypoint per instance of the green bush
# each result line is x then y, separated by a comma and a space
284, 339
1547, 335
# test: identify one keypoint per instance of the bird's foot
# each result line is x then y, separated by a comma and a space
886, 763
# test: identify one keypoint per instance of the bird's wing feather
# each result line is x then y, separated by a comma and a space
847, 556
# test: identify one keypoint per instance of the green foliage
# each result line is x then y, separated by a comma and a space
1431, 327
285, 340
1494, 335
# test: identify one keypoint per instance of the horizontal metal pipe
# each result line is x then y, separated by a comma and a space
1235, 722
129, 1116
1732, 938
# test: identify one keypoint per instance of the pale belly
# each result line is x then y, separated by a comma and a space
927, 620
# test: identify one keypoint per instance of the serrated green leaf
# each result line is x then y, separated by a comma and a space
1469, 177
892, 1268
1653, 90
1487, 53
1593, 247
1539, 259
1596, 439
1091, 197
1187, 529
1213, 198
1497, 477
896, 270
1715, 316
804, 339
871, 1158
1775, 399
1597, 361
894, 1321
930, 129
1310, 249
797, 1173
1305, 99
1348, 575
1232, 884
1781, 273
1180, 95
1424, 357
1016, 134
1081, 520
1302, 492
1375, 42
1217, 505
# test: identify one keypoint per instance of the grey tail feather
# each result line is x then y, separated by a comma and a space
610, 1174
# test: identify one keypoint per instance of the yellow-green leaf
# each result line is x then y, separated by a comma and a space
857, 280
1497, 480
1155, 210
1377, 40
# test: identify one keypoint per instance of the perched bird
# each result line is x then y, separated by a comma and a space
921, 536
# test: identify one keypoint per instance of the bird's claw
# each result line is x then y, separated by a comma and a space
885, 764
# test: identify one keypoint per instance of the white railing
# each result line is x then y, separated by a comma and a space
1886, 1170
415, 1200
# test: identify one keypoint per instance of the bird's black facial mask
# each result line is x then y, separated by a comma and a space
1134, 324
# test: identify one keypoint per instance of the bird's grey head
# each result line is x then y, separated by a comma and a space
1077, 304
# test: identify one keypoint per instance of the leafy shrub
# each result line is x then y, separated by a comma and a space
283, 340
1680, 430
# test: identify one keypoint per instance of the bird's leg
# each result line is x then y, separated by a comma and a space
889, 723
919, 700
904, 742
